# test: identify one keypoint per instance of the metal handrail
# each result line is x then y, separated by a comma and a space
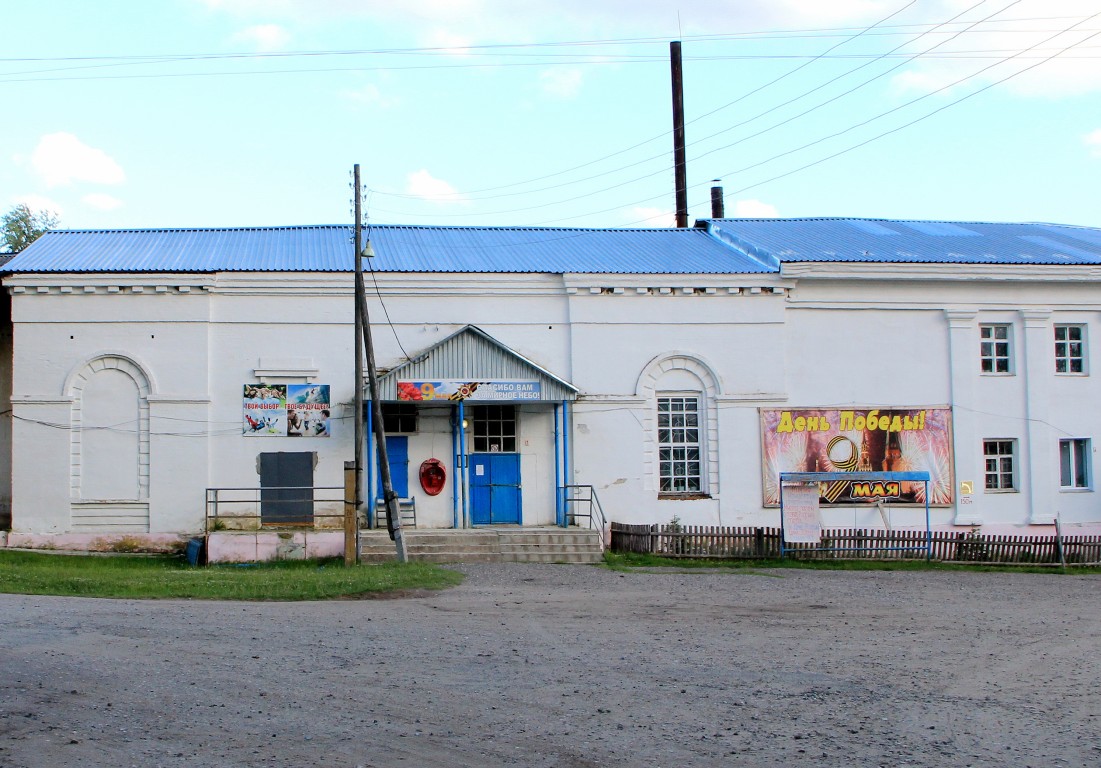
596, 511
217, 502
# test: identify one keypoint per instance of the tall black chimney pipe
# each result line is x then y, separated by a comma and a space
678, 134
717, 211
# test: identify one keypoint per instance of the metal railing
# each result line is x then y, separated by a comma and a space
250, 509
585, 496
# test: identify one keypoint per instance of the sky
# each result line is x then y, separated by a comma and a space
238, 113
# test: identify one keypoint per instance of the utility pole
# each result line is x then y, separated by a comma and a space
678, 134
358, 399
393, 512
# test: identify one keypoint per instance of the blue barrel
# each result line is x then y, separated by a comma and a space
195, 551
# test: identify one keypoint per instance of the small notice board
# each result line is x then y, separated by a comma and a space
802, 516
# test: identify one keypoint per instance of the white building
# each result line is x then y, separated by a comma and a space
675, 371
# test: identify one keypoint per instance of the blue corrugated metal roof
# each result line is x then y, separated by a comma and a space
891, 241
398, 249
726, 246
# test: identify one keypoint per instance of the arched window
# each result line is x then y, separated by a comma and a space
681, 426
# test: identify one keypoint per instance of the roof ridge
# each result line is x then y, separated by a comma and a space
292, 227
903, 221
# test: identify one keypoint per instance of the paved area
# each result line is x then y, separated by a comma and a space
545, 665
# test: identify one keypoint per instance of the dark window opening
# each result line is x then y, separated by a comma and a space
398, 418
494, 428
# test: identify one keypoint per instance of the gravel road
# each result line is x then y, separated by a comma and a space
545, 665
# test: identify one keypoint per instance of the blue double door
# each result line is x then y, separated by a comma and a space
495, 488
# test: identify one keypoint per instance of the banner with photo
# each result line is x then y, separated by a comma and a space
287, 410
464, 389
860, 440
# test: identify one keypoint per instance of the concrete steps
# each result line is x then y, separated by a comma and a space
554, 546
512, 545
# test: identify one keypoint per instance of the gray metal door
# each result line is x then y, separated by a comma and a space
286, 488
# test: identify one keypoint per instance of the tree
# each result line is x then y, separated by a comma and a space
21, 226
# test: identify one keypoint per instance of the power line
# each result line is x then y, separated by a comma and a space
665, 134
785, 122
385, 311
757, 116
886, 133
851, 90
923, 117
882, 29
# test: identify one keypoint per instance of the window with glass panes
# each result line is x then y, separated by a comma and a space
1074, 455
398, 417
994, 349
679, 464
1070, 352
1000, 456
494, 428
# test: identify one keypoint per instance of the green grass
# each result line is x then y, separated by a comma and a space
625, 561
30, 573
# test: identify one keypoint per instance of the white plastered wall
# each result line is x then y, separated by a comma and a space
150, 329
806, 340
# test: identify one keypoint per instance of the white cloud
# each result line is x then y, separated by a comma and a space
927, 79
252, 7
755, 209
102, 202
37, 203
426, 186
510, 21
1030, 29
62, 158
1093, 141
563, 83
370, 95
454, 24
651, 217
264, 37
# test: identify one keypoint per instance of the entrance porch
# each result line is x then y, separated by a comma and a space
476, 435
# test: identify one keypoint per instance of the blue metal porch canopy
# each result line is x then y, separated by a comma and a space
472, 355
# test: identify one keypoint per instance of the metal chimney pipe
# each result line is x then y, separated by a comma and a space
679, 161
717, 210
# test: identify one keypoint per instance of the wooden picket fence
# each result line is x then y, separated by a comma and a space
852, 543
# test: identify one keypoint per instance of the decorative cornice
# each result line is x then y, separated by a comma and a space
741, 398
179, 399
960, 318
831, 270
41, 400
70, 289
1035, 318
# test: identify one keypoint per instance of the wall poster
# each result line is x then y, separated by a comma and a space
286, 410
860, 440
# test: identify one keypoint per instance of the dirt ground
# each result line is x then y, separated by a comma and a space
543, 665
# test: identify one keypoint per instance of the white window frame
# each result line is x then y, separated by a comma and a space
1076, 463
677, 453
999, 470
1065, 346
989, 352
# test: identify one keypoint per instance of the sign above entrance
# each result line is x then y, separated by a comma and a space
464, 389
